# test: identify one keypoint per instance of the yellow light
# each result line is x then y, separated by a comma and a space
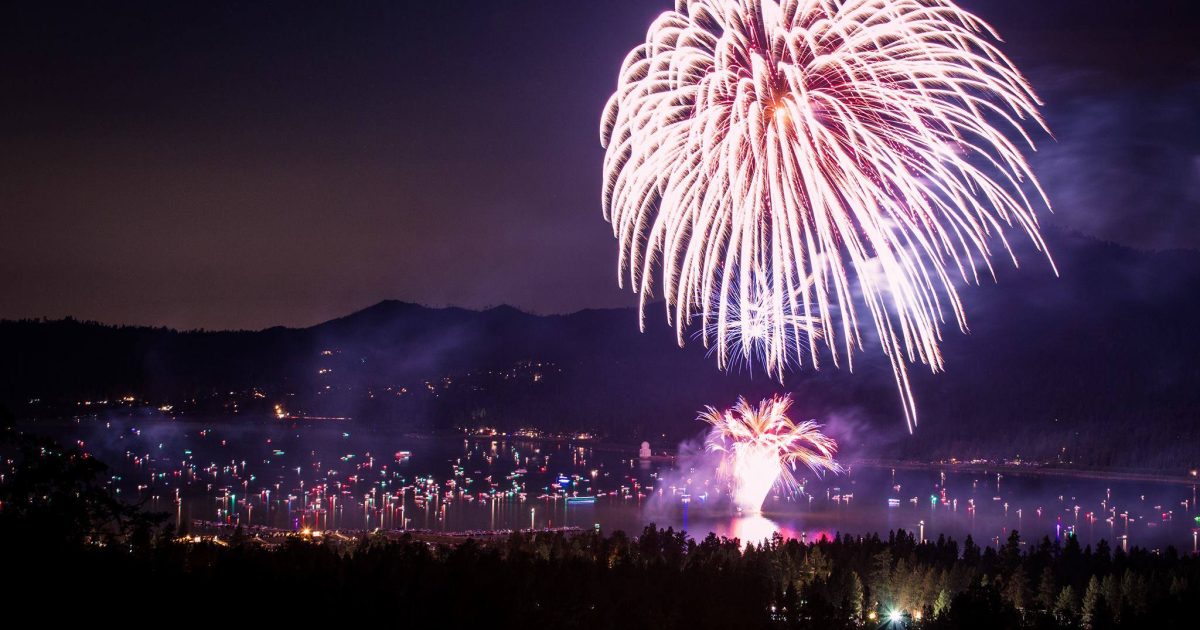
781, 114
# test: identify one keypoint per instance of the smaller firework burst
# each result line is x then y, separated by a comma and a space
762, 446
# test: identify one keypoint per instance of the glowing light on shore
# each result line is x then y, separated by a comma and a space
755, 529
781, 164
761, 446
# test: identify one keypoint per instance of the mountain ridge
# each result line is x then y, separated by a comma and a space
1090, 361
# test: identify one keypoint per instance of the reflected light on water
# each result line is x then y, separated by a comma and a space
756, 528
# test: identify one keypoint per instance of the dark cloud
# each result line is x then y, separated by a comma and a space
1125, 166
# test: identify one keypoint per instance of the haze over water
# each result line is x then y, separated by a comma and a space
337, 476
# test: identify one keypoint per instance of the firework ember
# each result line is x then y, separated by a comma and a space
762, 446
786, 164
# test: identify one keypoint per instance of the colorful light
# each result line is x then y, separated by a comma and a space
761, 445
786, 162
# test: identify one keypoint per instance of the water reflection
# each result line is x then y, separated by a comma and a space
292, 477
754, 529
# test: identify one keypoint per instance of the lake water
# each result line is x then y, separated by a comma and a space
335, 476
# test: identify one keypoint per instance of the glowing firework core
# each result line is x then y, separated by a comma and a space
785, 162
762, 446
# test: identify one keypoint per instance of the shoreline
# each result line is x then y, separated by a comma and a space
1030, 470
593, 444
664, 454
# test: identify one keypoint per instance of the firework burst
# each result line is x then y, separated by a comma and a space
788, 163
761, 446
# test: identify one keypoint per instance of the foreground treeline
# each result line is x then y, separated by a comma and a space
65, 540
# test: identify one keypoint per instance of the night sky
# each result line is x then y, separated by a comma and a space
243, 165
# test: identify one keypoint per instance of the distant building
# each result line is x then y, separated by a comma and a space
644, 452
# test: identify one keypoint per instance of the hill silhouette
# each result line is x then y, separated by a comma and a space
1096, 367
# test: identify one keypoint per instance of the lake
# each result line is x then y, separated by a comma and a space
336, 476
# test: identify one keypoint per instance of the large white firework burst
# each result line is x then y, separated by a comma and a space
761, 446
787, 162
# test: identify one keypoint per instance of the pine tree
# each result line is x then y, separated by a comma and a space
1093, 602
942, 603
1179, 586
1134, 592
1111, 588
791, 604
970, 551
1047, 590
1011, 552
855, 595
881, 570
1016, 590
1065, 606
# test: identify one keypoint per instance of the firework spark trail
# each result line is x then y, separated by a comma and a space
762, 445
783, 160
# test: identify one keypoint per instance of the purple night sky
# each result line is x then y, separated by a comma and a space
254, 164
